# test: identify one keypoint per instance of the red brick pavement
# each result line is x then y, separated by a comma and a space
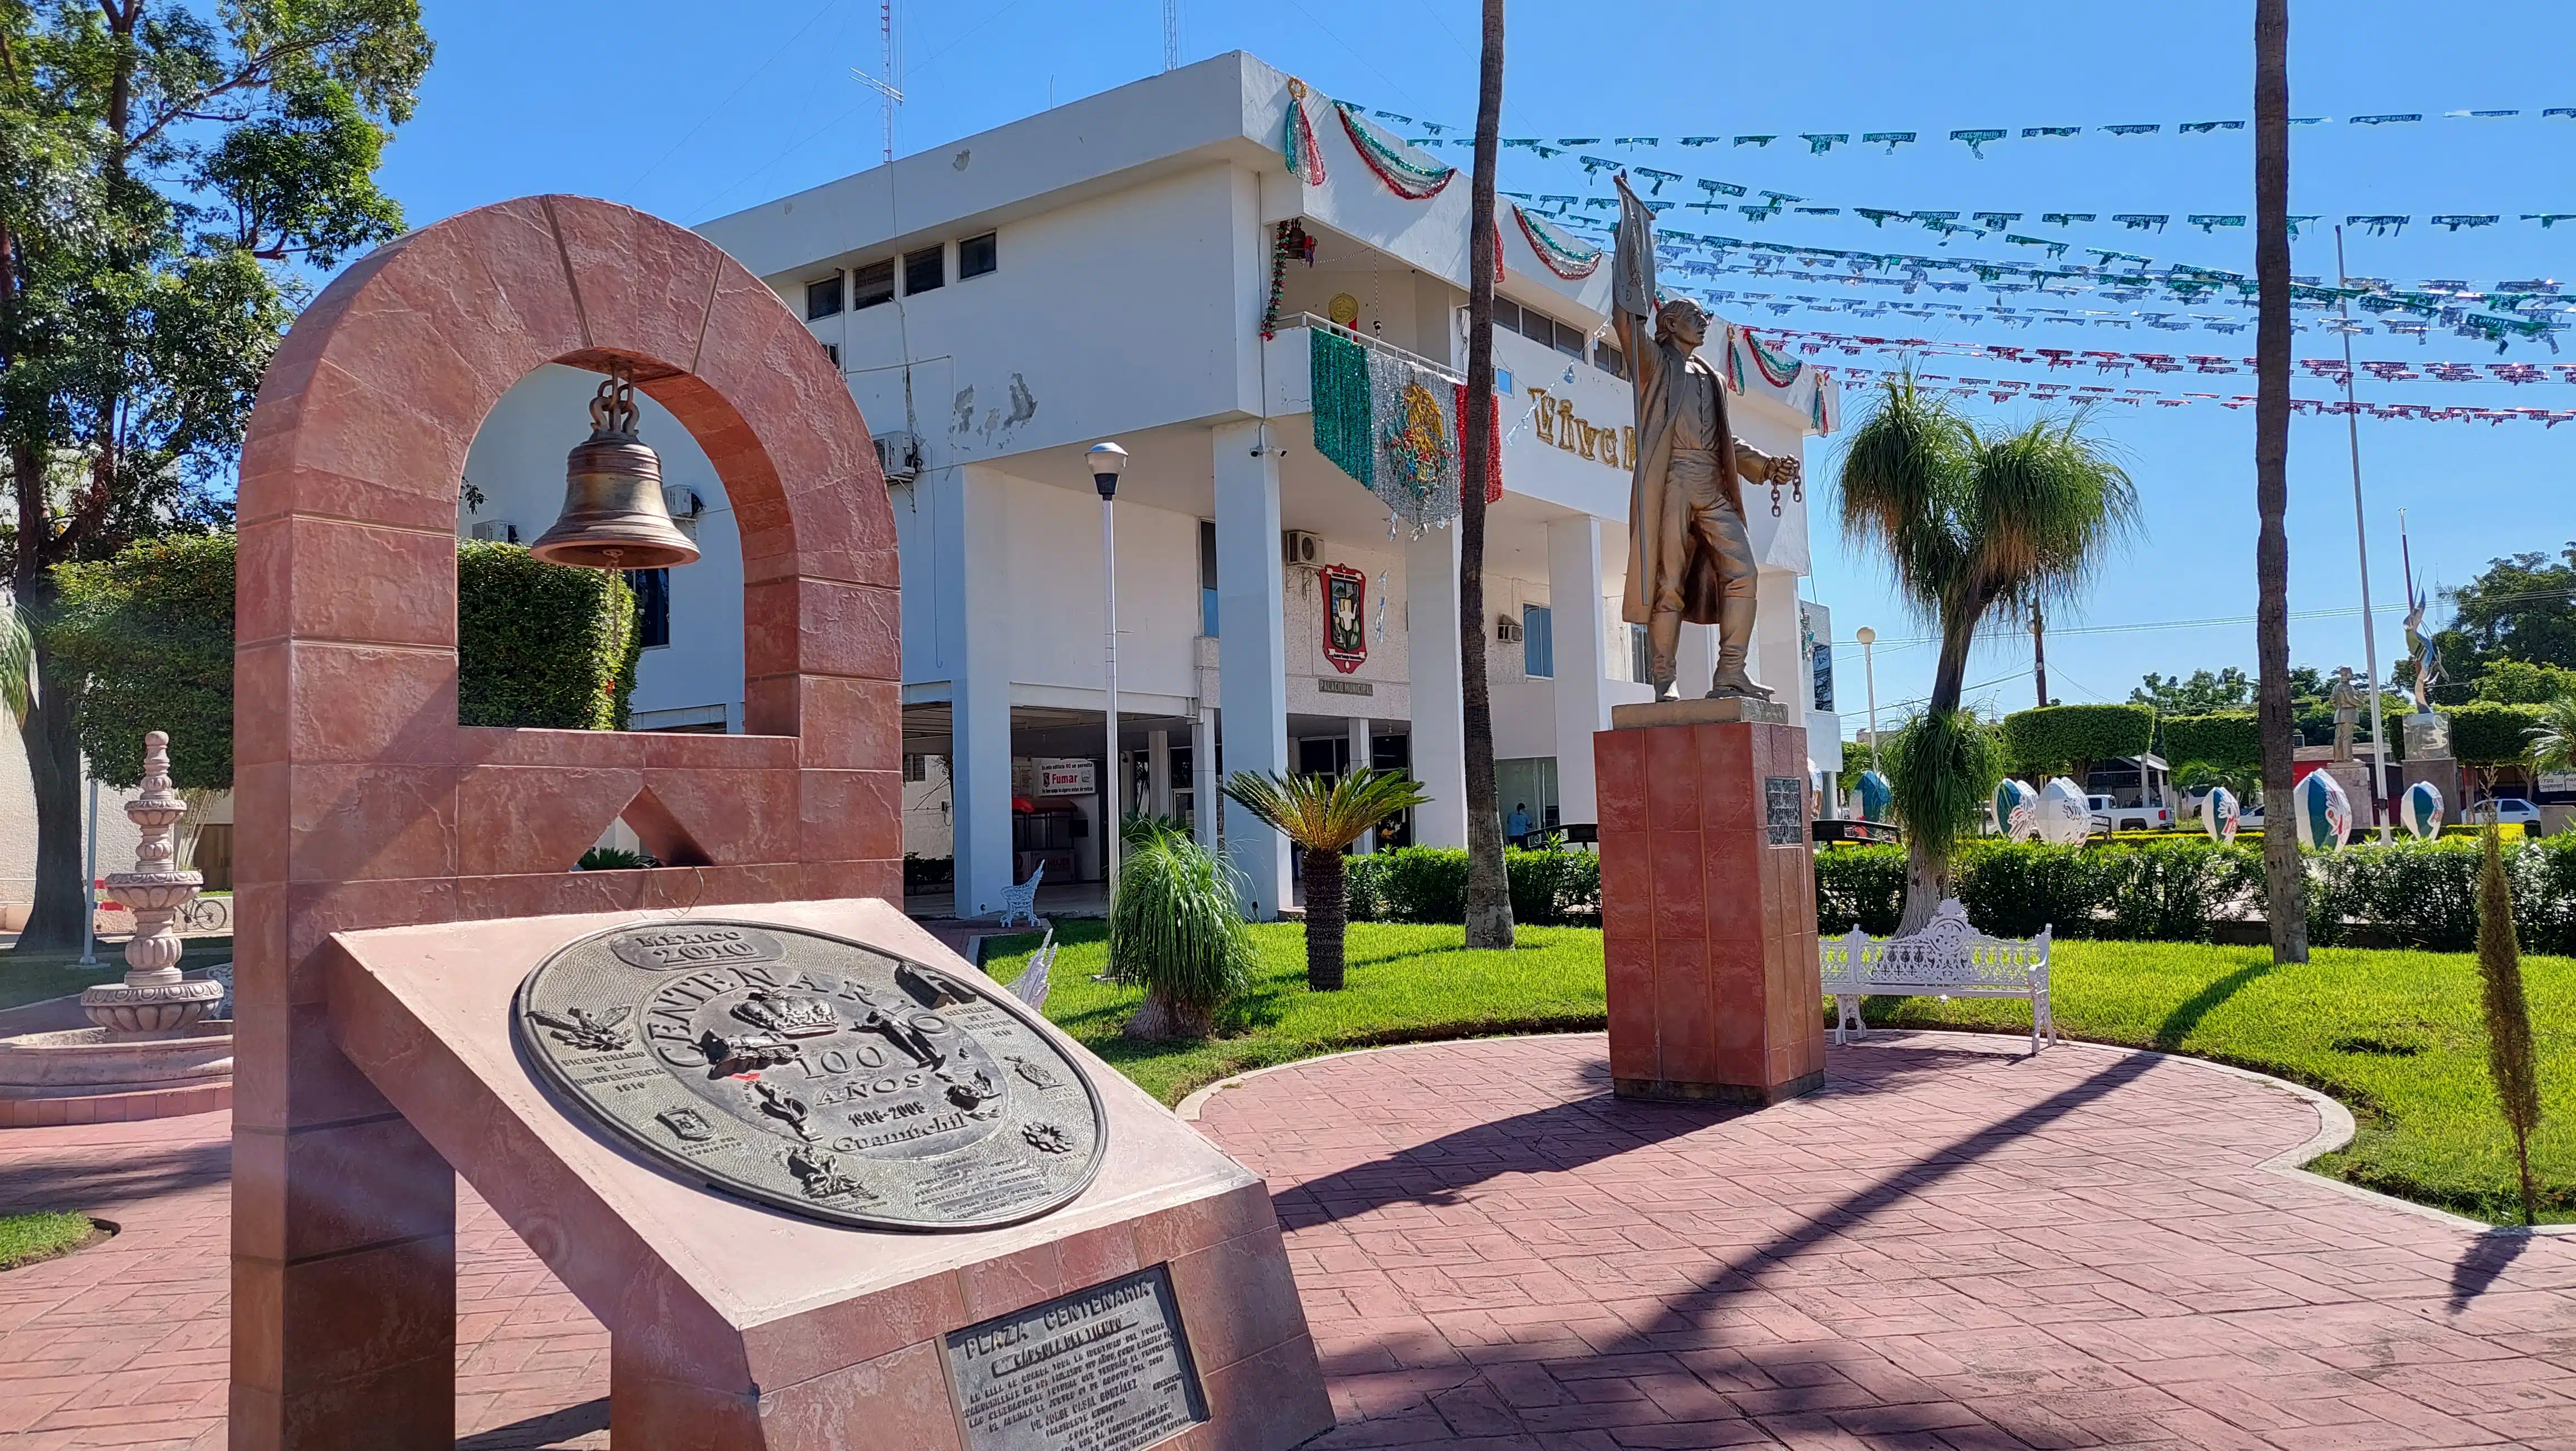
1948, 1248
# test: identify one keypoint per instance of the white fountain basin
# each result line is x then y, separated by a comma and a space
84, 1061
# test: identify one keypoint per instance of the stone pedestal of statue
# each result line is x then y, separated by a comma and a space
1708, 902
2428, 758
2353, 774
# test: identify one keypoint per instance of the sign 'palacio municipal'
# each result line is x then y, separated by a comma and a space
814, 1074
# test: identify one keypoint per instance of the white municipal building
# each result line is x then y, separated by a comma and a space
1105, 270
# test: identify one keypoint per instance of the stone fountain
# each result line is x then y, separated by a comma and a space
150, 1052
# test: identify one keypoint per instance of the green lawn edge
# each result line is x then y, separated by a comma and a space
2394, 1036
28, 1238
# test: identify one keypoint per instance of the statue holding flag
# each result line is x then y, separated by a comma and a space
1689, 557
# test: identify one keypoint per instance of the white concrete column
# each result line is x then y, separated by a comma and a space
1439, 725
1574, 594
1360, 762
1158, 772
1252, 650
1203, 802
972, 515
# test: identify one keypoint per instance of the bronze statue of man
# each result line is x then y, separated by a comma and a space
1689, 557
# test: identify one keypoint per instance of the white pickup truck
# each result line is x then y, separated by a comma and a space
2109, 818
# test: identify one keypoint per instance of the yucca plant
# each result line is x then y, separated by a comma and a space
2510, 1054
1176, 928
1323, 816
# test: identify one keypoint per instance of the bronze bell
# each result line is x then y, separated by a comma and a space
613, 515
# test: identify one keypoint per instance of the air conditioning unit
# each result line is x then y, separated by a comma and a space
1301, 549
899, 455
1507, 630
496, 531
685, 506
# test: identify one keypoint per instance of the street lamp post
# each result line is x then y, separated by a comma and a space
1108, 460
1869, 673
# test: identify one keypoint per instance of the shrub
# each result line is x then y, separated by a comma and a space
1429, 884
1547, 885
152, 630
541, 644
1177, 930
921, 873
612, 859
2226, 740
2174, 891
2071, 738
2015, 888
1860, 886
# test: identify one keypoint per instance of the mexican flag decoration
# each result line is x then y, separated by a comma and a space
1297, 138
1389, 424
1404, 168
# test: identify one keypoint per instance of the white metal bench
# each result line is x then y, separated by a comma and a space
1947, 958
1020, 903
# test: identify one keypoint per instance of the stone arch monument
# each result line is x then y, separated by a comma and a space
374, 1064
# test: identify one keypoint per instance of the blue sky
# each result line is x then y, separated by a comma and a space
654, 104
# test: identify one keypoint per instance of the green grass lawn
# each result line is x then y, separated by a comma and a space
26, 1238
32, 977
2394, 1036
1406, 984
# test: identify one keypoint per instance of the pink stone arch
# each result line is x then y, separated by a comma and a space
360, 801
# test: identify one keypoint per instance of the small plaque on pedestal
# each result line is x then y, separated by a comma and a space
1106, 1369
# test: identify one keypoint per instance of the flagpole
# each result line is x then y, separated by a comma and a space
2379, 804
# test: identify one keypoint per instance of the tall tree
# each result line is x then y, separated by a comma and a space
167, 171
2284, 879
1975, 526
1489, 895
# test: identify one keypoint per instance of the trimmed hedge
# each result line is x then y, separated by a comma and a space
2422, 893
2484, 733
1429, 884
2055, 738
152, 629
541, 644
2228, 740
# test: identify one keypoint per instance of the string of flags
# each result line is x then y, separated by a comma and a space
2328, 369
2005, 390
1975, 138
1928, 309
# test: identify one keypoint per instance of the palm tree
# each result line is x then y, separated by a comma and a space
1489, 895
1976, 526
1323, 816
2284, 879
2553, 739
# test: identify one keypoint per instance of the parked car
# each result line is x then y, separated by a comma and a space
2108, 817
2505, 811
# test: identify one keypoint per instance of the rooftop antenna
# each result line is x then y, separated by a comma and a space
890, 85
1171, 35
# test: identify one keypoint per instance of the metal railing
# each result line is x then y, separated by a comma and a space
1375, 344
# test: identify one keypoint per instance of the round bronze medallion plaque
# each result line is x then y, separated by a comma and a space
815, 1073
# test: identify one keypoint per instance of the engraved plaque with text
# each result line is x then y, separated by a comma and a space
1102, 1369
815, 1074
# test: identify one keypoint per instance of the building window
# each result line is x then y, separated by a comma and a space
823, 299
872, 284
1569, 341
1538, 643
652, 604
978, 255
833, 352
1207, 578
1507, 314
916, 767
1641, 655
925, 270
1610, 360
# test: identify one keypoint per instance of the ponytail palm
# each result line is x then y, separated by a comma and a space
1973, 523
1322, 816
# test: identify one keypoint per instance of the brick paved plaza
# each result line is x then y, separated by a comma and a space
1951, 1246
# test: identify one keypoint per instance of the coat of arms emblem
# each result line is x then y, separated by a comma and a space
1345, 616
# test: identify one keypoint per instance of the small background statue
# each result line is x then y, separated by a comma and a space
2347, 701
1689, 558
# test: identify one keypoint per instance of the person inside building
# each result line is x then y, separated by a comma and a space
1518, 826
